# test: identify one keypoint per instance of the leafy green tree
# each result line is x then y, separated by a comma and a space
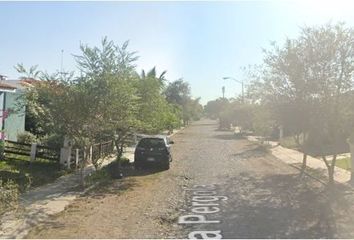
109, 73
152, 104
69, 108
219, 109
304, 82
109, 100
177, 92
31, 73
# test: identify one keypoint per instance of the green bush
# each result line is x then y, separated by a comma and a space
113, 169
8, 195
124, 161
26, 137
53, 141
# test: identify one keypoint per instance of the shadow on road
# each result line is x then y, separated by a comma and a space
284, 206
116, 187
222, 130
204, 124
229, 136
254, 152
130, 171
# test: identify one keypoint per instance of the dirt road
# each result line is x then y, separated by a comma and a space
251, 195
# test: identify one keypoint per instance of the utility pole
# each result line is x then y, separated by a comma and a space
223, 92
61, 72
61, 61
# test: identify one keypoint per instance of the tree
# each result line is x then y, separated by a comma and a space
304, 82
287, 90
31, 73
191, 110
152, 104
213, 108
70, 109
177, 92
331, 66
109, 74
109, 100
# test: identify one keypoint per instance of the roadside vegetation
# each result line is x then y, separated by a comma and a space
304, 87
106, 99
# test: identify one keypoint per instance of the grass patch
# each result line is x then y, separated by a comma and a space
28, 174
344, 163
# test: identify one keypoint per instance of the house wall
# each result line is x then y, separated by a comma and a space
2, 94
15, 122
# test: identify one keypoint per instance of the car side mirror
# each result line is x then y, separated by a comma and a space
171, 142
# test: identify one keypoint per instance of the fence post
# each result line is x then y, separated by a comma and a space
77, 157
33, 152
91, 152
84, 156
65, 153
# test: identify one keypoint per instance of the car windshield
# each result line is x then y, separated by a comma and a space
151, 143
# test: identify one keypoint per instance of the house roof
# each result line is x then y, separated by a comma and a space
13, 85
5, 87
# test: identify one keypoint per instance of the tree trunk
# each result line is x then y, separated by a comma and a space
82, 167
304, 163
331, 170
119, 147
330, 176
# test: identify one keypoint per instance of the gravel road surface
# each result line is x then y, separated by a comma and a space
218, 186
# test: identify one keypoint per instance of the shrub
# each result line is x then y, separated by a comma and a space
113, 169
124, 161
53, 141
8, 195
26, 137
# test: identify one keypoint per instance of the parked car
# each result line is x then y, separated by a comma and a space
153, 151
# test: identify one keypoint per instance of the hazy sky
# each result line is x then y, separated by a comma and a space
199, 41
